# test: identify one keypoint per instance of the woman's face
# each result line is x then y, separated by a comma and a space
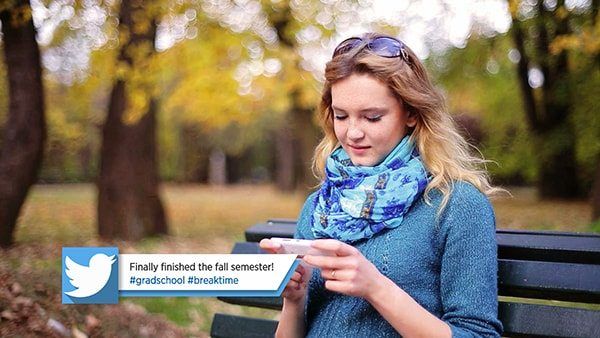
368, 120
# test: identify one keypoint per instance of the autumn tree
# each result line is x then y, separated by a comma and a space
209, 118
129, 205
25, 129
297, 137
544, 33
480, 79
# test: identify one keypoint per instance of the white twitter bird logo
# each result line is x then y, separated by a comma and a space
89, 280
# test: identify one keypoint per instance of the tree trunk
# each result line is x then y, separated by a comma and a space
85, 162
129, 205
307, 138
547, 113
193, 154
217, 167
25, 129
284, 166
595, 194
296, 141
557, 165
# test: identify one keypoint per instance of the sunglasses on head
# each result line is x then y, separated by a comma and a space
384, 46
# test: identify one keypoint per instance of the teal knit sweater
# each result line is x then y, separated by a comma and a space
448, 265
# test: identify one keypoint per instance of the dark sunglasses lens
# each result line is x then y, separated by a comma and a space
386, 47
346, 46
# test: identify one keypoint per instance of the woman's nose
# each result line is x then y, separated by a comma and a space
355, 132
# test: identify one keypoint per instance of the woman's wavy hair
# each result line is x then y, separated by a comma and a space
445, 153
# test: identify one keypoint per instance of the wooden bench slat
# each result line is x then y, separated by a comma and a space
550, 246
532, 264
230, 326
273, 303
528, 279
247, 248
282, 220
272, 228
262, 302
549, 280
519, 319
533, 320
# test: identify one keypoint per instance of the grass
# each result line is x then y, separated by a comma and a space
66, 213
202, 220
209, 220
524, 210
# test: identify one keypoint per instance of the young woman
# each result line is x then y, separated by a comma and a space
402, 210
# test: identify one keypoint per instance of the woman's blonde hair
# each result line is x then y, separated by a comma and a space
444, 151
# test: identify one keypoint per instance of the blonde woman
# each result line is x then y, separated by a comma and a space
402, 210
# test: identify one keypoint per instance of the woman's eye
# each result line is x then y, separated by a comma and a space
340, 117
373, 118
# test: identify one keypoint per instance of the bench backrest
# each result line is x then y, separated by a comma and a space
538, 271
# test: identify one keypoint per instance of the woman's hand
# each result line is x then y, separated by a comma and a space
295, 290
346, 271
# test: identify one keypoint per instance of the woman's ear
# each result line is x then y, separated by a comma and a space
411, 121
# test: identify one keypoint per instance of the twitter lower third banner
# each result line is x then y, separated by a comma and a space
99, 275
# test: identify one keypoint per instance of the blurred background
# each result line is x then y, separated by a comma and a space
170, 126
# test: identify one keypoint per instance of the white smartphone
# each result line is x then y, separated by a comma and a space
298, 247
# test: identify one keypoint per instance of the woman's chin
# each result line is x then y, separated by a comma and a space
363, 162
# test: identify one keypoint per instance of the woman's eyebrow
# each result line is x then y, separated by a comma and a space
364, 110
375, 109
338, 109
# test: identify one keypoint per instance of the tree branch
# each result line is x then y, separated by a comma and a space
523, 76
559, 71
544, 57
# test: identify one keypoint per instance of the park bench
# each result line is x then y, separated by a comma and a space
540, 275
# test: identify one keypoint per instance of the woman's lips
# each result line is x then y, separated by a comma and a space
359, 150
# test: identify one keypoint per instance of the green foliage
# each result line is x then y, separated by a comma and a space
215, 91
595, 227
481, 81
585, 87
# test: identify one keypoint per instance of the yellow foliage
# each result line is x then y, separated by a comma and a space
587, 41
513, 7
141, 79
564, 42
20, 15
124, 35
137, 103
7, 5
204, 90
60, 129
141, 22
561, 13
122, 70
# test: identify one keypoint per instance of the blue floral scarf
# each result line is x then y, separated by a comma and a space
357, 202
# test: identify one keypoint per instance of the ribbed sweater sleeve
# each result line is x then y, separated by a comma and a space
468, 281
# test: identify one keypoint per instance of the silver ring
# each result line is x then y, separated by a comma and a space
333, 273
